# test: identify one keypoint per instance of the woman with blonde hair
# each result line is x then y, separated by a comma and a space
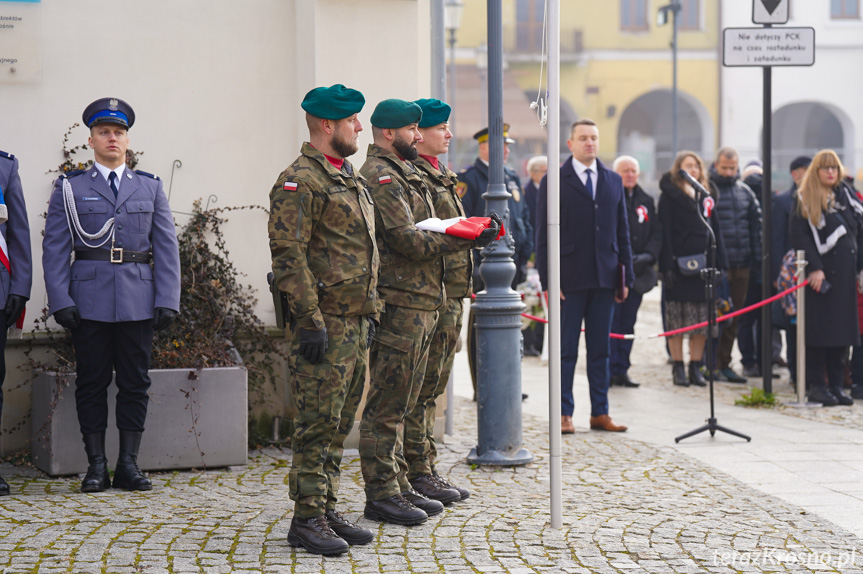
827, 222
685, 246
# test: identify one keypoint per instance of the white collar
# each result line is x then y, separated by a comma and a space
106, 171
580, 168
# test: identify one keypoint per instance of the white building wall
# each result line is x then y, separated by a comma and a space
834, 81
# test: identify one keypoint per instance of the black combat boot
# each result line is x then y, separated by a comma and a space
678, 374
428, 486
695, 376
396, 510
316, 536
424, 503
127, 475
97, 478
347, 530
4, 487
463, 492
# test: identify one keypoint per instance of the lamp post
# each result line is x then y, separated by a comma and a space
481, 55
452, 20
661, 19
498, 308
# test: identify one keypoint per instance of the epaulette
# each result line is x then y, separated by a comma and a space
156, 177
72, 173
6, 154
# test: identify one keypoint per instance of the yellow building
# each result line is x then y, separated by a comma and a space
616, 68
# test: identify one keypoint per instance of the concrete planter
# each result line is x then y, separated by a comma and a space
190, 423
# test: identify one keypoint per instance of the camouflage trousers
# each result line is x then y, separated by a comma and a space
397, 364
327, 395
420, 448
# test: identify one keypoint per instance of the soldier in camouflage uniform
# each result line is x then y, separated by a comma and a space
411, 283
322, 240
420, 449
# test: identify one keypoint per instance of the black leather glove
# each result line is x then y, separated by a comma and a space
163, 318
640, 262
69, 318
14, 308
313, 344
488, 235
373, 327
668, 279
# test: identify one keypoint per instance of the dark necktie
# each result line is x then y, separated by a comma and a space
112, 181
588, 184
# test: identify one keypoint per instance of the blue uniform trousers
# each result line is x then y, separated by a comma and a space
624, 324
595, 308
2, 357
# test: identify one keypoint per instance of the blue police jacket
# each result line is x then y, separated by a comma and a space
105, 291
16, 231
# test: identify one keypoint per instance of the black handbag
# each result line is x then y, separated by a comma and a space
691, 265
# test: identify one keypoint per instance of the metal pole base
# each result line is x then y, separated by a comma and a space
712, 426
803, 405
497, 458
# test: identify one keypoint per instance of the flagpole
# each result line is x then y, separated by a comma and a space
553, 187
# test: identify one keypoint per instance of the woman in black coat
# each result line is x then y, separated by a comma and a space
685, 235
826, 222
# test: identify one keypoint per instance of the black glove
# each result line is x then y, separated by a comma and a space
488, 235
313, 344
163, 318
69, 318
668, 279
640, 262
14, 308
371, 336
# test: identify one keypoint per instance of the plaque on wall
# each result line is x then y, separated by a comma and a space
20, 41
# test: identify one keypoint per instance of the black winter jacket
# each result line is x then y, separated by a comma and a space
739, 219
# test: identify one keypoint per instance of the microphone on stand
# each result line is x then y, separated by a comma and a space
692, 181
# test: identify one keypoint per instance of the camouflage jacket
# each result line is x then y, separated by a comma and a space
322, 240
412, 268
458, 266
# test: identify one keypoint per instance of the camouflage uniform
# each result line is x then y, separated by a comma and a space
411, 283
322, 240
420, 448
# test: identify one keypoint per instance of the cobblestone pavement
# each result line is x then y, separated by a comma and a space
650, 368
628, 507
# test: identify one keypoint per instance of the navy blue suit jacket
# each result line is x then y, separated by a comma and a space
594, 234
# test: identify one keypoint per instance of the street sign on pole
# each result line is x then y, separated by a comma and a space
770, 11
768, 47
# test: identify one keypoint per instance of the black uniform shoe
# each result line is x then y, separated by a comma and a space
842, 397
427, 505
396, 510
624, 381
347, 530
821, 395
728, 375
431, 488
4, 487
97, 478
463, 492
678, 374
316, 536
127, 475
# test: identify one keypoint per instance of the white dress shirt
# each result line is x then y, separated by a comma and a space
581, 171
105, 171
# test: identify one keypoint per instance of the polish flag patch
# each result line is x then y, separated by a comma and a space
385, 179
290, 186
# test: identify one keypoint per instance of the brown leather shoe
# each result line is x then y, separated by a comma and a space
604, 422
566, 426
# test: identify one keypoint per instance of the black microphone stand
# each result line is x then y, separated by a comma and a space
709, 276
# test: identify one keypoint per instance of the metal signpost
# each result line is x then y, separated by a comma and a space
766, 47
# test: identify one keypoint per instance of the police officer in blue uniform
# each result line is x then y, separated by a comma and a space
123, 284
472, 183
16, 270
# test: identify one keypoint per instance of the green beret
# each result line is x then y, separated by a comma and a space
393, 114
334, 103
434, 112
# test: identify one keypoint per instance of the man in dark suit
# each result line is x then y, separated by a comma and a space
16, 265
117, 222
594, 243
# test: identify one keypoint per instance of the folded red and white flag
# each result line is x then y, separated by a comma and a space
466, 228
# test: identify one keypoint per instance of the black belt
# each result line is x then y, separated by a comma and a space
116, 255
